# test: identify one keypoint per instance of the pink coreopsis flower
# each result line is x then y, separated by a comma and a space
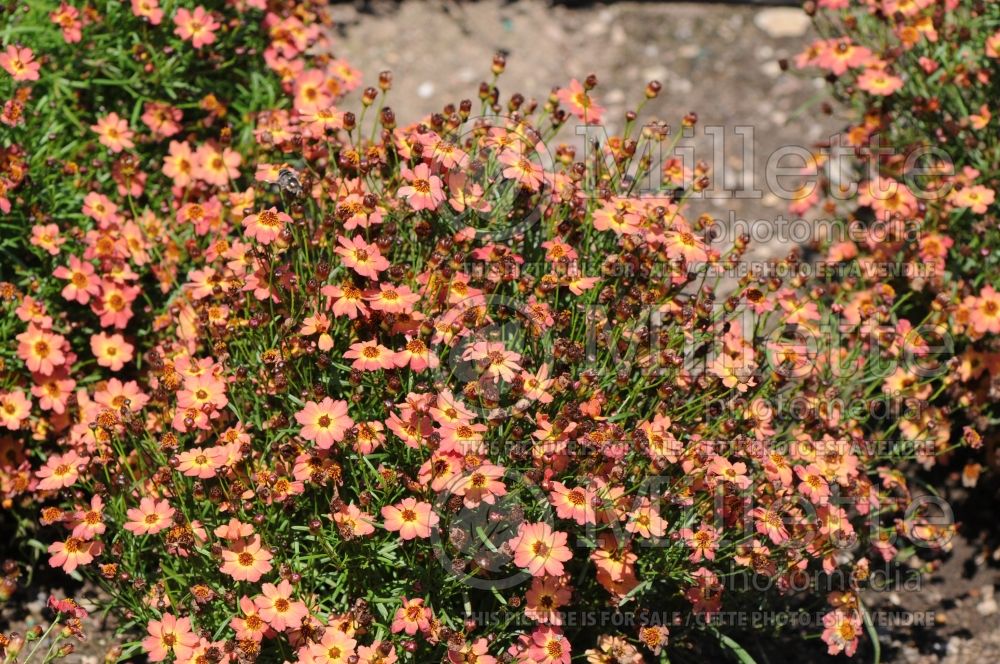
47, 237
113, 133
88, 523
83, 281
247, 560
60, 471
580, 103
278, 609
111, 351
412, 617
363, 258
324, 423
150, 517
266, 226
540, 550
149, 10
410, 518
67, 18
15, 407
250, 625
169, 635
371, 356
19, 61
217, 165
198, 26
424, 191
72, 553
499, 363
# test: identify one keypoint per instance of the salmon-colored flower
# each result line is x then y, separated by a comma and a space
363, 258
345, 300
114, 304
161, 118
318, 324
544, 598
150, 517
247, 560
878, 81
336, 647
196, 462
83, 281
412, 617
179, 164
67, 17
149, 10
234, 530
352, 522
113, 132
41, 350
540, 550
53, 391
372, 356
977, 198
217, 166
324, 423
111, 351
576, 503
169, 635
198, 26
47, 237
481, 484
393, 299
277, 607
19, 61
548, 645
498, 363
645, 521
703, 542
60, 471
266, 226
249, 626
410, 518
14, 409
985, 315
580, 103
520, 168
425, 191
841, 632
72, 553
89, 523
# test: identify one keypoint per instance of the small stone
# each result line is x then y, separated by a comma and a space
618, 35
688, 51
425, 90
771, 69
780, 22
655, 74
764, 52
987, 607
615, 96
681, 86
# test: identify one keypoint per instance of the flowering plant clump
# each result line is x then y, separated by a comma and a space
293, 382
923, 80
